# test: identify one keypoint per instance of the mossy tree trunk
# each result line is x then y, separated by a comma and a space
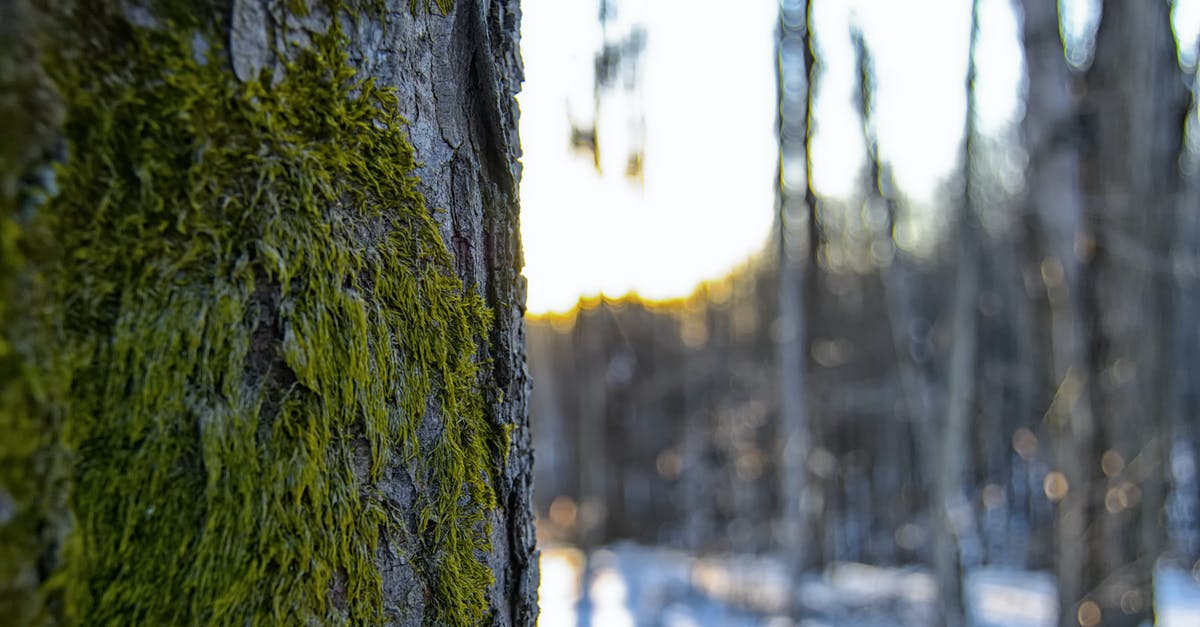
261, 339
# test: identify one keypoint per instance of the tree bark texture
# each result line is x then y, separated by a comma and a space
261, 338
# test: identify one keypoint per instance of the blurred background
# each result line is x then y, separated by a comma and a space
864, 312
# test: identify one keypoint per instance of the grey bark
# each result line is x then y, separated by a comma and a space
1056, 221
1135, 108
593, 444
696, 493
1185, 411
951, 508
913, 415
794, 35
456, 77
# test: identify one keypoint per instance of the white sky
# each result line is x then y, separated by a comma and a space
710, 153
708, 199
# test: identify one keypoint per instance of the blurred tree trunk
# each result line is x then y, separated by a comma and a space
698, 485
592, 413
797, 531
233, 302
907, 423
952, 511
555, 437
1055, 219
1134, 112
1186, 397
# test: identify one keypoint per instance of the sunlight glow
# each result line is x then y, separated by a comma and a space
558, 588
709, 159
707, 202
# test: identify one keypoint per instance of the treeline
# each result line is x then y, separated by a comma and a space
1019, 386
659, 421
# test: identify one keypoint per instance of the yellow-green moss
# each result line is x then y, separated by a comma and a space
32, 513
247, 300
32, 468
443, 5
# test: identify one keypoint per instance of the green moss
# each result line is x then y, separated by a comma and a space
251, 309
32, 513
32, 463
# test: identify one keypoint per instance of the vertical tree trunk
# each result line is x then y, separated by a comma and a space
794, 38
698, 486
951, 507
592, 413
912, 421
1055, 218
1186, 397
1135, 109
286, 360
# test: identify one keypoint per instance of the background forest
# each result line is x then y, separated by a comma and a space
965, 395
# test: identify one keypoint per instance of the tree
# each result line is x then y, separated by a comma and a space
1134, 114
1103, 185
261, 334
1186, 398
898, 308
794, 40
951, 506
1055, 219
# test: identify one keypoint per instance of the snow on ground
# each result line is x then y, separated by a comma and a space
635, 586
1177, 597
1007, 597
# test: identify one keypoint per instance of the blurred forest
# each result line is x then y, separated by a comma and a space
1019, 387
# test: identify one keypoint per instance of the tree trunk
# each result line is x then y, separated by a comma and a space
1055, 219
1186, 397
1135, 109
952, 511
261, 333
911, 419
794, 39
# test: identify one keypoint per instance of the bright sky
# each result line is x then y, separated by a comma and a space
709, 163
710, 154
